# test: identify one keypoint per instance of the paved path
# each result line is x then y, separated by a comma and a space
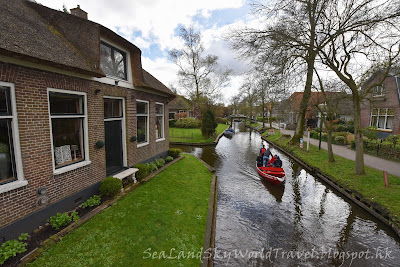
371, 161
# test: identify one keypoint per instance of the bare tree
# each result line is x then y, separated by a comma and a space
360, 34
199, 75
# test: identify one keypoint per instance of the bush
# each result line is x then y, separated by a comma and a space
13, 247
174, 152
324, 137
172, 123
221, 120
340, 140
160, 163
142, 172
62, 219
110, 186
187, 123
152, 166
92, 201
370, 132
208, 124
169, 159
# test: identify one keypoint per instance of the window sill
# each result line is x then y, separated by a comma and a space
11, 186
71, 167
161, 139
143, 144
385, 130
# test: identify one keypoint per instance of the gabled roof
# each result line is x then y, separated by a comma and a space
316, 98
35, 33
180, 102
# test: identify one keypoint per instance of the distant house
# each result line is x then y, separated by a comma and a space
383, 108
180, 107
290, 108
67, 87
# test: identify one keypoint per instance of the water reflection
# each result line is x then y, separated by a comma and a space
282, 223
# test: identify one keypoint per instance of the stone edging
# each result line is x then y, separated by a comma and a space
355, 197
200, 144
30, 257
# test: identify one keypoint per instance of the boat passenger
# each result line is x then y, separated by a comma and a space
277, 163
266, 155
262, 150
271, 161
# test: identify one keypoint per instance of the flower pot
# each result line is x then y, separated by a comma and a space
4, 165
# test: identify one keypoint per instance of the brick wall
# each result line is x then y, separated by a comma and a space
35, 137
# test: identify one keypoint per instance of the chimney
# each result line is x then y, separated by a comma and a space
77, 11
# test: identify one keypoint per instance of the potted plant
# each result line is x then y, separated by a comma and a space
4, 161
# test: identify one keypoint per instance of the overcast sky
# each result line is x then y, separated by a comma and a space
153, 26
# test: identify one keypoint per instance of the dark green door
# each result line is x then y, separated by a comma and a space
114, 156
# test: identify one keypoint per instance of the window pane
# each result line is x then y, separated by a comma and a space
112, 108
7, 169
159, 109
375, 111
141, 108
374, 121
67, 141
390, 111
381, 122
142, 129
389, 123
159, 127
112, 61
5, 103
66, 104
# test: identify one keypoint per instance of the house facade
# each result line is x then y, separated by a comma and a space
75, 107
180, 107
382, 110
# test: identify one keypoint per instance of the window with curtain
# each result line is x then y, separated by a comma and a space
382, 118
159, 121
142, 115
67, 125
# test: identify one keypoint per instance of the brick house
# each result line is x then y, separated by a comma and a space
67, 86
180, 107
382, 109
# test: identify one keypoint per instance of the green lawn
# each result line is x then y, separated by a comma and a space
371, 185
166, 214
192, 135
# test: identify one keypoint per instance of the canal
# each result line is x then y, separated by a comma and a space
301, 223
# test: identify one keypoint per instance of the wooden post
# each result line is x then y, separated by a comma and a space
308, 139
385, 176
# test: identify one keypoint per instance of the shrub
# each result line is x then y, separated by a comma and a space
370, 132
160, 163
324, 137
340, 140
353, 144
174, 152
110, 186
187, 123
221, 120
208, 124
13, 247
92, 201
172, 123
142, 172
152, 166
169, 159
62, 219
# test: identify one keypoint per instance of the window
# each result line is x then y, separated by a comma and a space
7, 159
171, 115
113, 61
142, 114
379, 90
382, 118
11, 175
68, 129
159, 121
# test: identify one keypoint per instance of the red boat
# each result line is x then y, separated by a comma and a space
272, 174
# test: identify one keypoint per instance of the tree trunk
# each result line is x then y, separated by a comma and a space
359, 160
330, 151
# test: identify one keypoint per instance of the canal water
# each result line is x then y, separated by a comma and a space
301, 223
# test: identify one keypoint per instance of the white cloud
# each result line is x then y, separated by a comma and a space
162, 69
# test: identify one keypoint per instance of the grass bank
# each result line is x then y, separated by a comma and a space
192, 135
371, 185
166, 214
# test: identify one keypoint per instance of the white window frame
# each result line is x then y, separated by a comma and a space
163, 122
16, 143
147, 122
380, 115
380, 88
86, 161
123, 127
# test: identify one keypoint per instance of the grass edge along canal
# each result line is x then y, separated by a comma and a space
370, 186
166, 215
185, 135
